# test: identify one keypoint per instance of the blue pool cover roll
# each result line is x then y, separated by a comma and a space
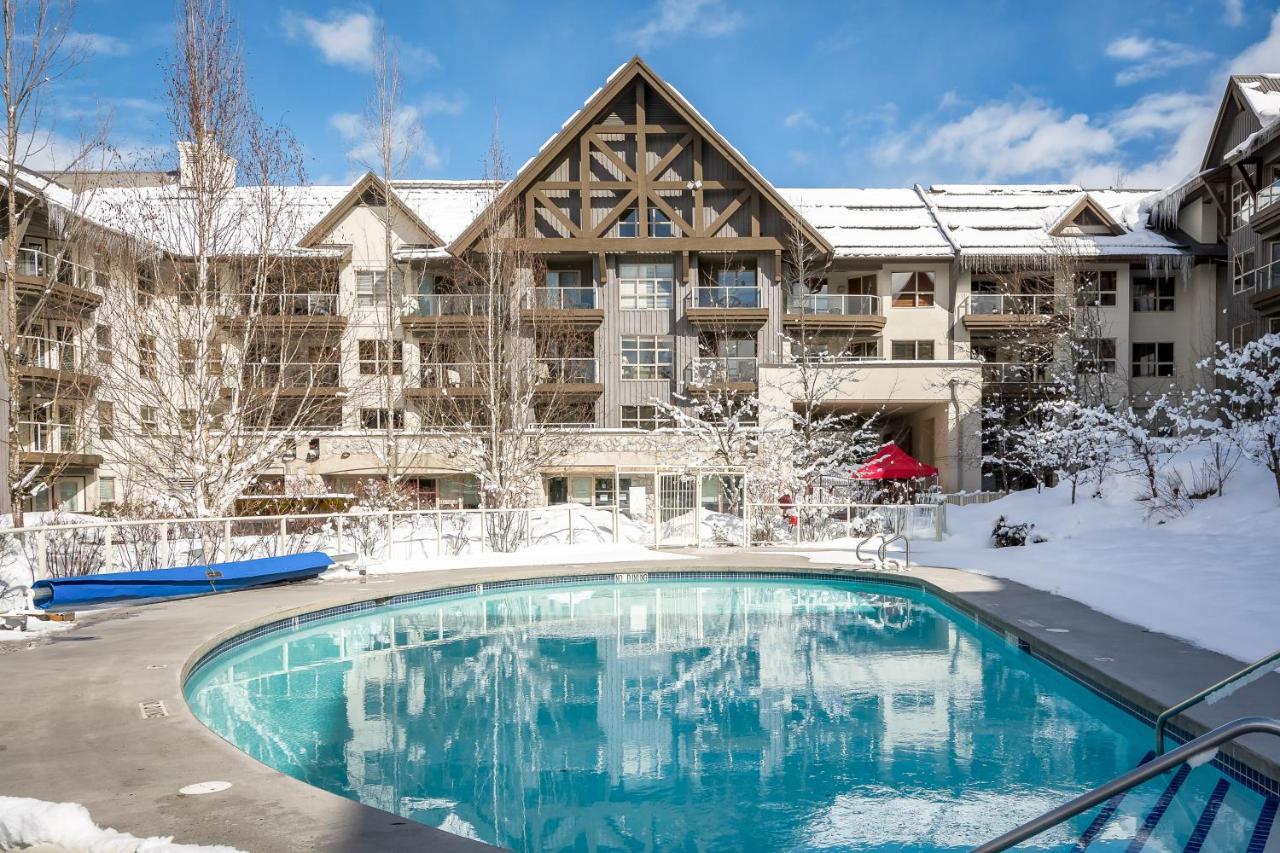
78, 593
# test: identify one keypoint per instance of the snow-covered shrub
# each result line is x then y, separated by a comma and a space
1006, 534
68, 553
1248, 400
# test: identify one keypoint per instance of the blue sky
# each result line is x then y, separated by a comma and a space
815, 94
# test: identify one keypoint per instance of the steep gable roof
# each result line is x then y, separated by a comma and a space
1085, 216
365, 183
574, 126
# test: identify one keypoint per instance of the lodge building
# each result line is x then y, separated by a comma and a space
671, 258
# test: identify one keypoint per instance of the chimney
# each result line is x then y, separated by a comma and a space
219, 171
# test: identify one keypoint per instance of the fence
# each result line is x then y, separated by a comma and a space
824, 522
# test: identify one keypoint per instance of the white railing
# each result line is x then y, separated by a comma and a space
35, 263
326, 374
831, 521
568, 371
449, 375
835, 304
715, 371
834, 359
1265, 278
725, 296
1012, 303
44, 437
446, 304
1266, 197
308, 304
48, 353
1015, 372
562, 298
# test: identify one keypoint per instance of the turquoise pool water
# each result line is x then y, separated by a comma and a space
700, 715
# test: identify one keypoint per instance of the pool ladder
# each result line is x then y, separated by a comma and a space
881, 560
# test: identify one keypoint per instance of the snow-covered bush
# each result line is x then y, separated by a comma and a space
1247, 400
1006, 534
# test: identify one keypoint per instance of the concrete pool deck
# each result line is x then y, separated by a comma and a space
74, 731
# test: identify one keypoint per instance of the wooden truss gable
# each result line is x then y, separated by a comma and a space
368, 184
638, 150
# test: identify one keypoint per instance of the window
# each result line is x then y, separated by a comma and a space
371, 287
380, 419
1273, 325
1242, 278
834, 347
862, 285
660, 224
149, 420
1152, 294
1097, 355
912, 350
1241, 205
1153, 359
187, 419
646, 358
147, 356
1241, 335
376, 356
146, 289
106, 491
564, 278
629, 223
102, 339
187, 357
1096, 288
645, 286
106, 420
644, 417
912, 289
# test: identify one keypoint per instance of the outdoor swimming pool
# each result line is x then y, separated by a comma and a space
701, 714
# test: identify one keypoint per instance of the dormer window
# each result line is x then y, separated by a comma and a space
660, 224
629, 223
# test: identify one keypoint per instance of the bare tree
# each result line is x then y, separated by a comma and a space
214, 380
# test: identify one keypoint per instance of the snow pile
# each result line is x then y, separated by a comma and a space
1207, 576
28, 823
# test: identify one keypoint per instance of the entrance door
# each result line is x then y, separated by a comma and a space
69, 489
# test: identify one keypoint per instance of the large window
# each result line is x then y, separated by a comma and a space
1096, 288
375, 356
646, 358
1152, 359
1243, 274
1097, 355
1152, 294
913, 289
371, 287
564, 278
912, 350
644, 286
381, 418
644, 417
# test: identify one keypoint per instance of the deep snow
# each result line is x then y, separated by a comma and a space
36, 824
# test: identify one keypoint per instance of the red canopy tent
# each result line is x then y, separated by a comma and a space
891, 462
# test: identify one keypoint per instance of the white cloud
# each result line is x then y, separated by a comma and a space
799, 158
675, 18
98, 44
413, 147
801, 119
436, 104
349, 39
1151, 57
1233, 12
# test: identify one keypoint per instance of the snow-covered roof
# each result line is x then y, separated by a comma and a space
871, 223
447, 206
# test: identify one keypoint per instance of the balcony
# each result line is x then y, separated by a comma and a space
569, 376
984, 311
732, 305
733, 373
848, 312
1016, 373
1266, 288
578, 305
310, 309
431, 311
43, 443
1265, 220
295, 378
51, 361
41, 274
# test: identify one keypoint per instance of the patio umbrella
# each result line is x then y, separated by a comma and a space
891, 462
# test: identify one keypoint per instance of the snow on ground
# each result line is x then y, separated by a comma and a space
27, 824
1209, 577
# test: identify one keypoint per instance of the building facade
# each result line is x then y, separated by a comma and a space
673, 267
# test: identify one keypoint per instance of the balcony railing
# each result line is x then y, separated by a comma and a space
41, 437
1013, 372
48, 353
562, 298
721, 370
835, 304
449, 375
39, 264
446, 304
1262, 279
1012, 303
297, 374
567, 371
309, 304
1266, 197
732, 296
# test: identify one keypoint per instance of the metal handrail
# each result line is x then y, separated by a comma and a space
1206, 743
1207, 694
884, 550
857, 550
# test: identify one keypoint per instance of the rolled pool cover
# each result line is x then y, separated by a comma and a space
81, 593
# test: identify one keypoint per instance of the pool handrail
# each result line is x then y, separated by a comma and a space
1206, 743
1208, 693
884, 550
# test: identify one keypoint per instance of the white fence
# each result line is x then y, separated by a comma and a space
825, 522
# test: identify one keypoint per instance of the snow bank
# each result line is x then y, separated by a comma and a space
68, 827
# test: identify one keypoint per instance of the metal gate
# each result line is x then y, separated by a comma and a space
677, 515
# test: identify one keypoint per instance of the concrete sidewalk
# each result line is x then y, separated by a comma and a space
72, 728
